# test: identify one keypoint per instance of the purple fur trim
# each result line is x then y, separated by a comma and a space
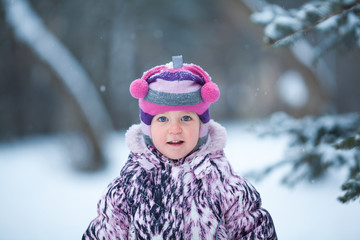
177, 76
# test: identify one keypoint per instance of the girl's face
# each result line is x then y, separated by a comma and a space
175, 133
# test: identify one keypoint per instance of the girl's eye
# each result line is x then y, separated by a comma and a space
186, 118
162, 119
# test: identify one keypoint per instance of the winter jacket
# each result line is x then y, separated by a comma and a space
197, 197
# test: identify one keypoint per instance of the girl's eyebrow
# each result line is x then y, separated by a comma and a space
186, 112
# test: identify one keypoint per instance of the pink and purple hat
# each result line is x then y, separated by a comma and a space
174, 87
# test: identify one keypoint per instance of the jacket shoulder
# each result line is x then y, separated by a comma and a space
236, 185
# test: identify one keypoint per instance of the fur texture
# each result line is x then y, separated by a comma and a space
197, 197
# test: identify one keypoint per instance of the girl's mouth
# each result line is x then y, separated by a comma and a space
175, 143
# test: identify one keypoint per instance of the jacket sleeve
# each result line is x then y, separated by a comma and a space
246, 219
112, 221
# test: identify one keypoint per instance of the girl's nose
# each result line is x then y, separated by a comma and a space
175, 128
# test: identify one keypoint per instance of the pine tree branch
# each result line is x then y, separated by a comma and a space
344, 9
352, 190
349, 143
314, 149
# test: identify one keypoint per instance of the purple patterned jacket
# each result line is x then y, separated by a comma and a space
198, 197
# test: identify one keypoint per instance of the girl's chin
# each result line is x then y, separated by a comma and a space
173, 155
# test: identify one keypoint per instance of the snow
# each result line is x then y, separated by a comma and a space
42, 197
348, 2
292, 89
328, 24
263, 17
310, 8
102, 88
281, 26
352, 23
267, 14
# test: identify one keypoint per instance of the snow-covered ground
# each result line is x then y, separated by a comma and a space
42, 198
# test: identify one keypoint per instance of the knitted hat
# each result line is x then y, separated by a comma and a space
174, 87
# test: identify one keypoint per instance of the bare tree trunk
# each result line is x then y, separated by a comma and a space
30, 30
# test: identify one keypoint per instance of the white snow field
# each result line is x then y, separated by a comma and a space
43, 198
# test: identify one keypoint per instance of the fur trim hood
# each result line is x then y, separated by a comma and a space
216, 140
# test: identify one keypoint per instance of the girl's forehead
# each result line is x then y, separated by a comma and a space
178, 113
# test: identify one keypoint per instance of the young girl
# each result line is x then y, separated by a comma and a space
177, 182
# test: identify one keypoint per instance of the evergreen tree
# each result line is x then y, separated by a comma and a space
318, 143
352, 185
337, 21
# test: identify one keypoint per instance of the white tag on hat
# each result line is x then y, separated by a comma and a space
177, 61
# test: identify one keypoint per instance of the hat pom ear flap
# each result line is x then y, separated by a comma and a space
210, 92
139, 88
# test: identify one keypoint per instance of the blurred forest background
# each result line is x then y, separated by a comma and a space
65, 71
114, 42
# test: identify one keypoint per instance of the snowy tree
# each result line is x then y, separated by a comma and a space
352, 185
337, 20
318, 143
